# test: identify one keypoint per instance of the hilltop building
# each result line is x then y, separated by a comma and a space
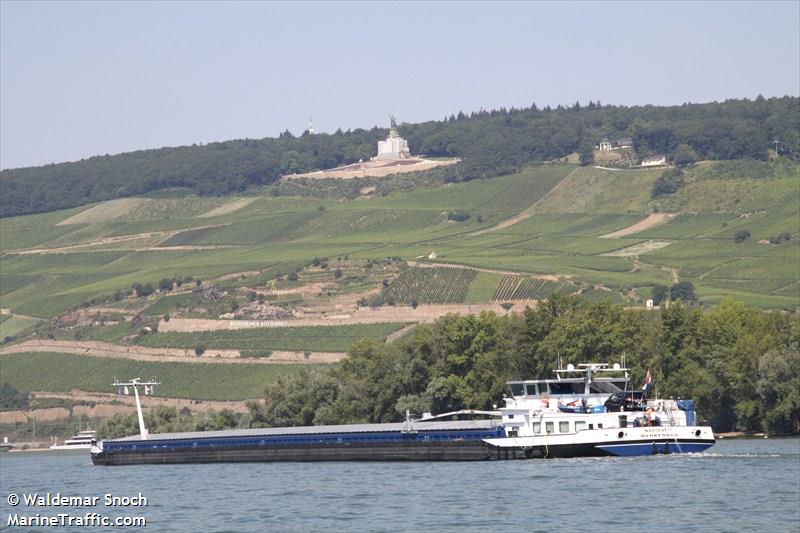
617, 144
393, 157
394, 147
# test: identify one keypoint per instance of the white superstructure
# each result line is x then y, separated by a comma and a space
589, 410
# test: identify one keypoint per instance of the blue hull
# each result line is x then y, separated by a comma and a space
655, 448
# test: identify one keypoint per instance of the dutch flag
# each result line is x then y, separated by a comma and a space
647, 383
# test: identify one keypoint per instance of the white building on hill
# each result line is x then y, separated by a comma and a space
654, 161
394, 147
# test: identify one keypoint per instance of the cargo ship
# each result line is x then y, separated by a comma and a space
584, 411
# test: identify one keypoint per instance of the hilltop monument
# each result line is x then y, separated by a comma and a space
393, 157
394, 147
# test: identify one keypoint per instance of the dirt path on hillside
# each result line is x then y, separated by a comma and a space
654, 219
674, 273
374, 168
161, 236
638, 249
550, 277
141, 353
228, 208
362, 315
104, 212
400, 333
527, 213
726, 263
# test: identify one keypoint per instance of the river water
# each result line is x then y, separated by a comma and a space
738, 485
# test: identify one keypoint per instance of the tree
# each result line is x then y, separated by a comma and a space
684, 155
586, 157
660, 293
11, 398
741, 235
683, 290
668, 182
459, 215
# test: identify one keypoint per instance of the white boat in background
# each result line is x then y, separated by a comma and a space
82, 441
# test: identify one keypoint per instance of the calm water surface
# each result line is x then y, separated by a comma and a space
738, 485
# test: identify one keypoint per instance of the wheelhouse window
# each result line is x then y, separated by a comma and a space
563, 427
517, 389
530, 389
567, 388
579, 425
549, 427
603, 387
537, 428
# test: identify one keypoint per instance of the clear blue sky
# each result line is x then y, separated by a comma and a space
79, 79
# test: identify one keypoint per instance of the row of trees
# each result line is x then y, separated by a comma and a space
741, 365
490, 143
165, 419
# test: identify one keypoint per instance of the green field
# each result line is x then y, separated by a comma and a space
311, 338
560, 235
58, 372
520, 288
438, 285
14, 325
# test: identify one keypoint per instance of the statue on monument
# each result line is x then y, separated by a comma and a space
392, 122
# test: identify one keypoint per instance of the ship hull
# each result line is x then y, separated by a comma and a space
427, 441
409, 451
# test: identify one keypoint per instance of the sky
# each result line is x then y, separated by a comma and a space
79, 79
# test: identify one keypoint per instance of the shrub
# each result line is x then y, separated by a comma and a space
660, 293
683, 291
668, 182
741, 235
684, 155
199, 350
785, 236
459, 215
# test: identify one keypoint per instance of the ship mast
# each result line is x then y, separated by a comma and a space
123, 388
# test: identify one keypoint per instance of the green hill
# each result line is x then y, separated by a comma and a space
113, 271
49, 267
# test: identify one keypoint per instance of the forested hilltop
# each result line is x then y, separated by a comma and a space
490, 143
